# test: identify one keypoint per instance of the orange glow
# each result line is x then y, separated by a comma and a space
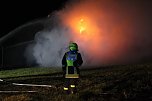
85, 31
96, 29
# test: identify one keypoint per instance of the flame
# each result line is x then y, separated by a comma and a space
82, 26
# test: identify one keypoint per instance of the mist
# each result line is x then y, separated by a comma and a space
115, 32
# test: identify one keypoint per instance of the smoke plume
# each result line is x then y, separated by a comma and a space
106, 31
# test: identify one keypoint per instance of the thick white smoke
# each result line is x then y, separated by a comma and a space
50, 47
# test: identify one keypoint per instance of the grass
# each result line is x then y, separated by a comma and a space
111, 83
28, 72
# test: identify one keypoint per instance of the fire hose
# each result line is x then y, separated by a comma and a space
19, 84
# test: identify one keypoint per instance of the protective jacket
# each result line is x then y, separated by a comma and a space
71, 62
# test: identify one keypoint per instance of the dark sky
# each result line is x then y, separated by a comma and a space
14, 13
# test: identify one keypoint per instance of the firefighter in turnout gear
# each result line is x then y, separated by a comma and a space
71, 62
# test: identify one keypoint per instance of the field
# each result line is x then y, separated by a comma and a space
108, 83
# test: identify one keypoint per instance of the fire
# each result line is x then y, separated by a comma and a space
82, 26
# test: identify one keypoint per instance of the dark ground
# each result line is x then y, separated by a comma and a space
112, 83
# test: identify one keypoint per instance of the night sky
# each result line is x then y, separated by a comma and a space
14, 13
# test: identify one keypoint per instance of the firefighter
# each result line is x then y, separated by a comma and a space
71, 62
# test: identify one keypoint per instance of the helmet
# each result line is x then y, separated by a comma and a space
73, 46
